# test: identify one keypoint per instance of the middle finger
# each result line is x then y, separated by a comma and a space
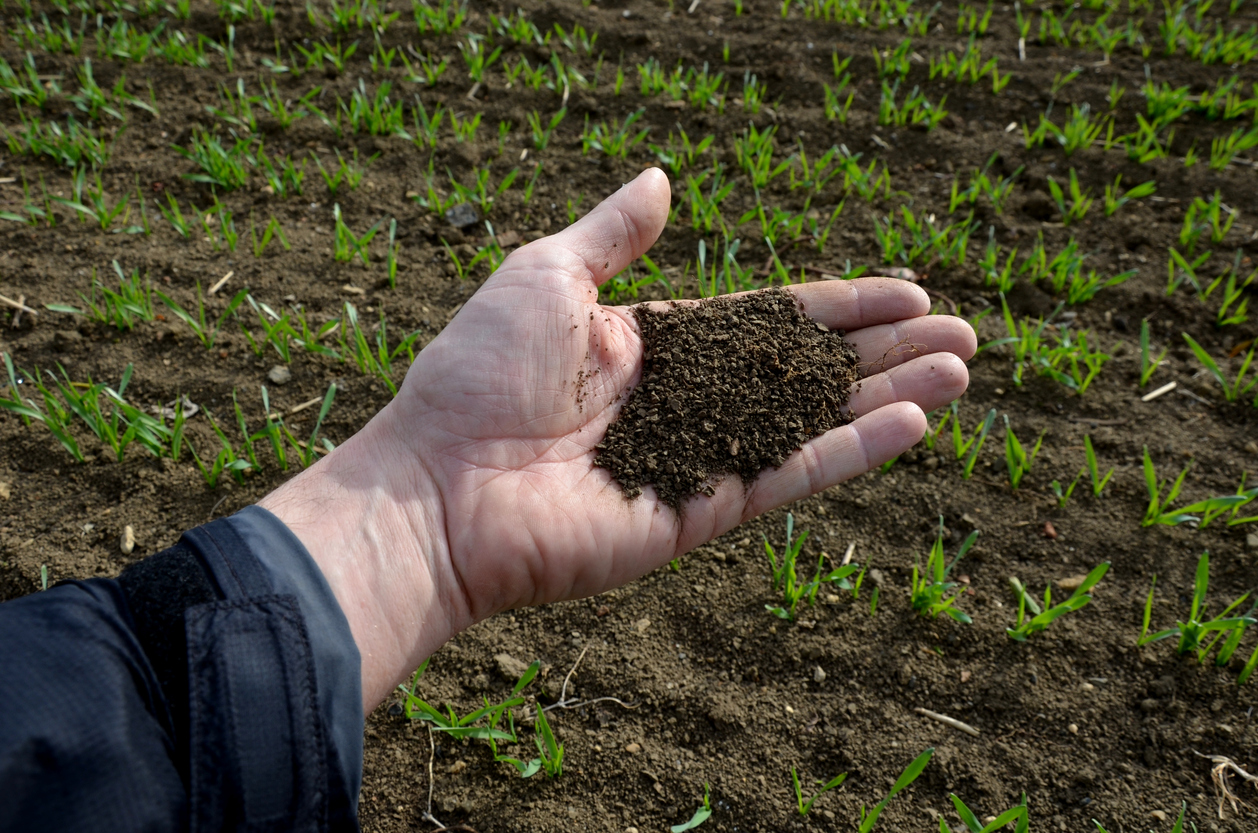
885, 346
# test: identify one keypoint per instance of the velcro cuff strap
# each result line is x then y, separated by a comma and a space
256, 741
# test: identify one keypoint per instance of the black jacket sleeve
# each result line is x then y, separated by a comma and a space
213, 686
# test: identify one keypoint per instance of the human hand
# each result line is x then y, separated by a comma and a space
485, 480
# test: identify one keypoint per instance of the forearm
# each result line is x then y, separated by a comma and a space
373, 523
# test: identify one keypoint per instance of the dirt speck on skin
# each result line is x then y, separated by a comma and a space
729, 385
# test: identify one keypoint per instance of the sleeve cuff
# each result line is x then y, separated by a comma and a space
278, 635
337, 664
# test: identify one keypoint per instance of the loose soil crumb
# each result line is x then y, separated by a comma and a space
729, 386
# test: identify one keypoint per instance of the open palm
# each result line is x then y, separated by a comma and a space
504, 408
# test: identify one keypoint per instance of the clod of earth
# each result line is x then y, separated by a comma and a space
730, 385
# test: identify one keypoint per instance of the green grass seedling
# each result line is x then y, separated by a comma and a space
1115, 198
273, 431
1245, 496
1159, 511
910, 774
1017, 460
1178, 827
725, 274
1114, 95
549, 751
310, 338
348, 172
930, 586
1145, 144
427, 128
933, 434
1076, 207
284, 179
273, 228
1231, 390
33, 210
1018, 816
391, 254
91, 203
969, 449
226, 461
972, 19
468, 726
541, 135
684, 155
276, 331
249, 438
795, 588
705, 206
119, 423
227, 226
804, 806
1234, 305
1248, 670
526, 769
1098, 482
1179, 270
1197, 629
307, 452
1072, 362
1226, 148
1042, 617
481, 194
1216, 218
1063, 497
1147, 366
222, 166
446, 17
174, 216
72, 146
24, 86
914, 110
53, 415
121, 309
285, 111
701, 815
373, 360
836, 107
204, 332
346, 244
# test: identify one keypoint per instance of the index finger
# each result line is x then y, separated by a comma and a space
863, 302
849, 305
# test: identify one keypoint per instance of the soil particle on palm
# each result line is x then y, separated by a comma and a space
730, 385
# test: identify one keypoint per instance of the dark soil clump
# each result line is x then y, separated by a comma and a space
729, 386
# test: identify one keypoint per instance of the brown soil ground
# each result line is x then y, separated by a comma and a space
1080, 719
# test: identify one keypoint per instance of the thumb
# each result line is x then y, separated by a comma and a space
618, 231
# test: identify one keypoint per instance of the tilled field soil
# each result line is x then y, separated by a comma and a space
719, 691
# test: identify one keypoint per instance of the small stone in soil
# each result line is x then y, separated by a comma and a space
1071, 582
462, 215
279, 375
729, 386
511, 668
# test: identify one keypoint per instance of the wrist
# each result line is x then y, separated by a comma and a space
375, 526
